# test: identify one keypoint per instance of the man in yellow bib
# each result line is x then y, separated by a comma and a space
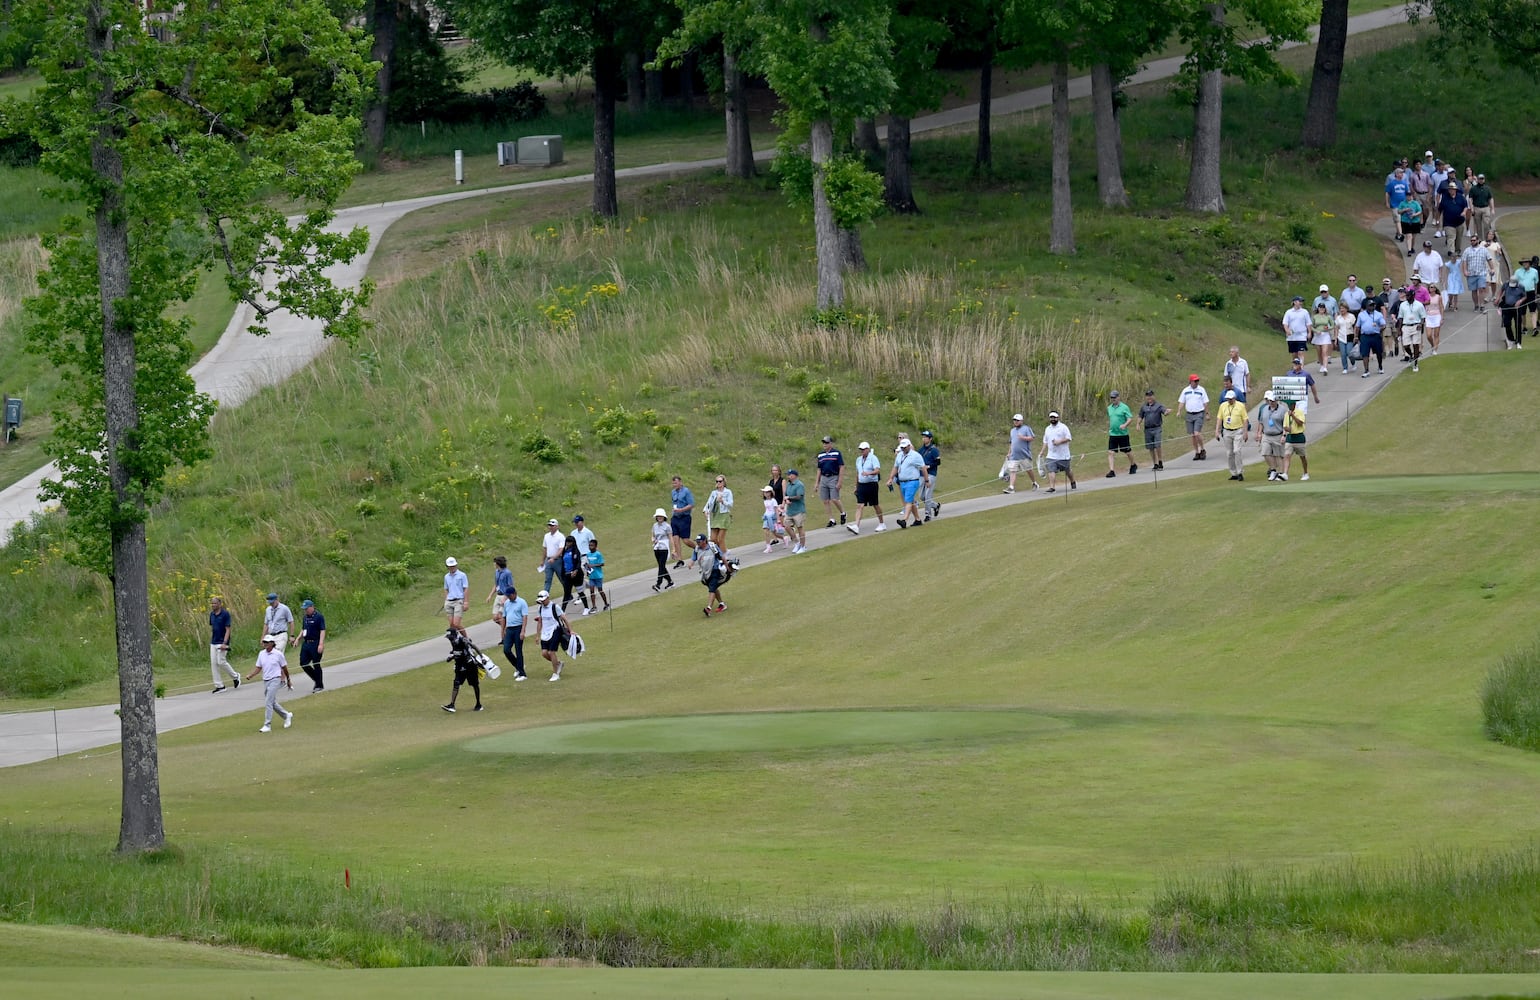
1231, 430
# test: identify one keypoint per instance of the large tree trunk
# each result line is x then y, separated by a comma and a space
382, 25
606, 83
852, 256
735, 99
865, 139
1061, 231
897, 182
141, 827
1205, 192
983, 155
1320, 128
687, 67
831, 282
636, 88
1109, 138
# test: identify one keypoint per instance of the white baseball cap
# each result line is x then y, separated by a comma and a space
1017, 416
865, 444
1325, 288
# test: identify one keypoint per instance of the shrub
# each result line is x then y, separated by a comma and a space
614, 425
821, 393
1510, 699
1207, 299
539, 446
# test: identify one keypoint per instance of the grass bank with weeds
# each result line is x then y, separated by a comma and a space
1510, 699
1433, 915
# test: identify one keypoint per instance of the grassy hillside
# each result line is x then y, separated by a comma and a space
515, 332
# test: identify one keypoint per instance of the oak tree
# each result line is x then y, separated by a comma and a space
160, 126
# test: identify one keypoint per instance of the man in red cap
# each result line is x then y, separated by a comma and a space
1194, 403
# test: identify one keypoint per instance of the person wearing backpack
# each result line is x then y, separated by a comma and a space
715, 570
553, 632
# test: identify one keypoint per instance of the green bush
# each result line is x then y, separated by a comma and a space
539, 446
1510, 699
821, 393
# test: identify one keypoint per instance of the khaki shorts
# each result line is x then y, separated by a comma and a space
1296, 447
1272, 445
454, 606
1016, 467
794, 520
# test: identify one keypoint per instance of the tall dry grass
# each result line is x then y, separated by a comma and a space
21, 261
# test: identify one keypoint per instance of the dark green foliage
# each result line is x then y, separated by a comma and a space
423, 79
1510, 700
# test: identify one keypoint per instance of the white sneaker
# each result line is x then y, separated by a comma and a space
1283, 477
1305, 478
556, 677
265, 729
767, 550
1323, 369
882, 527
288, 720
854, 529
1009, 489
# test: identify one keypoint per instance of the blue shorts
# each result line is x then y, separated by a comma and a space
768, 521
909, 487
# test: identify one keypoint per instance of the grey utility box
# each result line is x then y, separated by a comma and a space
539, 150
12, 417
507, 153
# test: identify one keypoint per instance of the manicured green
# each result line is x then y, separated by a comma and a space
700, 984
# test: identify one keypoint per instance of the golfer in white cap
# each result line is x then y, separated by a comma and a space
456, 583
275, 674
868, 476
552, 626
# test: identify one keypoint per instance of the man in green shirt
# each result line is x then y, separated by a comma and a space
1119, 419
795, 514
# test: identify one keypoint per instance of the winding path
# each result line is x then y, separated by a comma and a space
241, 364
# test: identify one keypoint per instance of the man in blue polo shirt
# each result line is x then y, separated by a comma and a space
1453, 211
1371, 329
311, 642
515, 610
679, 521
831, 477
219, 644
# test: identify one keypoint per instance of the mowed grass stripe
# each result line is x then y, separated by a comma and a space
766, 731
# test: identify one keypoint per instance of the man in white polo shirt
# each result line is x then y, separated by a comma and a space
1194, 403
868, 476
551, 544
275, 674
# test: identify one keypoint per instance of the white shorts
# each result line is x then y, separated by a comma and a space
1411, 335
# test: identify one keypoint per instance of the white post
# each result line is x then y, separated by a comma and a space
459, 166
424, 124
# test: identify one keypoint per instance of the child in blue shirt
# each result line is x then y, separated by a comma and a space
595, 562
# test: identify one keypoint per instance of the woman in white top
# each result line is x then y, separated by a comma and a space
661, 533
1435, 320
1347, 327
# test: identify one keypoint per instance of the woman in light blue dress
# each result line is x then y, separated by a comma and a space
1454, 287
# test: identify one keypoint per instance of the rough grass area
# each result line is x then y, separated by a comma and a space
1434, 915
1510, 699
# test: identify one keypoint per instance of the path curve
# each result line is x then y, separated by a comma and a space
241, 364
